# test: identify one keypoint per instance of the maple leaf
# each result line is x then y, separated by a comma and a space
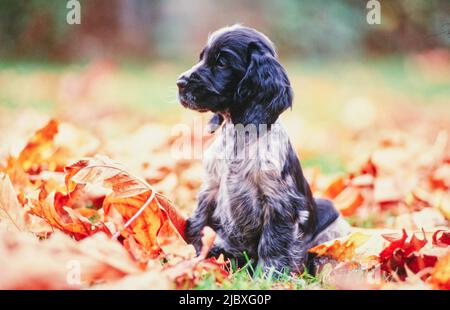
187, 273
18, 177
10, 208
179, 274
348, 201
335, 188
440, 277
395, 243
341, 250
39, 147
92, 260
144, 227
403, 254
400, 257
346, 197
152, 224
110, 174
51, 208
441, 238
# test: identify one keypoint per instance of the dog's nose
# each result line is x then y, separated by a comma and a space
182, 82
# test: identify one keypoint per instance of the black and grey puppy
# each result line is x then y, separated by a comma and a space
255, 195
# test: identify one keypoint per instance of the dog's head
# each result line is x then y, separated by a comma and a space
238, 74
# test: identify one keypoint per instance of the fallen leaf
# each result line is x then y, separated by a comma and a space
10, 208
60, 262
39, 147
341, 250
348, 201
440, 277
51, 207
109, 173
335, 188
148, 217
441, 238
405, 254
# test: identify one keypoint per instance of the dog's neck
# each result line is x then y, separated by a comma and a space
240, 136
246, 117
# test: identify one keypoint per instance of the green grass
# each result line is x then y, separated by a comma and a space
151, 86
327, 164
397, 75
250, 278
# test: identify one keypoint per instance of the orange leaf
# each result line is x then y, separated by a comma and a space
151, 222
178, 220
188, 273
348, 201
440, 277
101, 169
341, 250
146, 226
39, 147
43, 264
63, 218
171, 242
336, 187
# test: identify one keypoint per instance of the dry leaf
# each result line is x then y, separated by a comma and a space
440, 277
10, 209
60, 262
39, 147
110, 174
150, 219
348, 201
341, 249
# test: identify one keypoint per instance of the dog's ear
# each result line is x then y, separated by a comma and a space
265, 87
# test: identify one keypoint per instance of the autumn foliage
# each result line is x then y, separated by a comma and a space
91, 213
127, 225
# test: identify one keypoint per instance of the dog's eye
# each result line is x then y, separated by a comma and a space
221, 63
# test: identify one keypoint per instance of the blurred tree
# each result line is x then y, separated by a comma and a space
32, 27
317, 28
410, 25
176, 28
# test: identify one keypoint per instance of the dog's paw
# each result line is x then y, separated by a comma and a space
215, 251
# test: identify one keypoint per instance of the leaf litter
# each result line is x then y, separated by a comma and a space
93, 213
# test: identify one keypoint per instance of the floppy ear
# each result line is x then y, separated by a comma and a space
265, 90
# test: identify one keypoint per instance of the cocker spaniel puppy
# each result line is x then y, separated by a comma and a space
255, 195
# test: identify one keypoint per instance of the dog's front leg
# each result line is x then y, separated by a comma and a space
200, 219
278, 240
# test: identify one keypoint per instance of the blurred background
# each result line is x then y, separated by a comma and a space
171, 29
114, 74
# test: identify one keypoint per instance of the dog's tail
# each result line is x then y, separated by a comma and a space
330, 225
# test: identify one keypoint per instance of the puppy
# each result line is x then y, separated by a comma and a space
255, 195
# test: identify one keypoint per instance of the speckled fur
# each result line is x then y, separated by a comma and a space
255, 195
253, 206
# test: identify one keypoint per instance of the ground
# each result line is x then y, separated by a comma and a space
371, 135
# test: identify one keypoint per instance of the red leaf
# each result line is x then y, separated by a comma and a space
388, 252
443, 239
